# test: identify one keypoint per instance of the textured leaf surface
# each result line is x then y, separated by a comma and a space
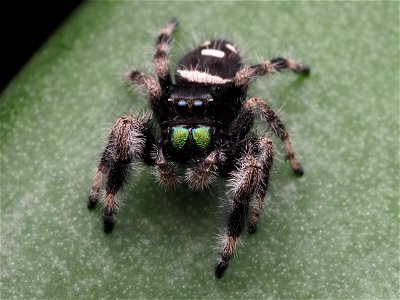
332, 233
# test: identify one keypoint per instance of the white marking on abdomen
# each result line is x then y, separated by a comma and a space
201, 77
213, 52
231, 47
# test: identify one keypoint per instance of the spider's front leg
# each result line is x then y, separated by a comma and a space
130, 139
245, 121
266, 150
250, 177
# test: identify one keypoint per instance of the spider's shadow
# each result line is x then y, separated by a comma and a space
145, 201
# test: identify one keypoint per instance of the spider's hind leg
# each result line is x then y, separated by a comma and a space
273, 66
130, 139
160, 60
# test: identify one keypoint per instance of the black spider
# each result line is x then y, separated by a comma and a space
204, 122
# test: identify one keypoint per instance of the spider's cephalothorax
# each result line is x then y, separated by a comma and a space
204, 122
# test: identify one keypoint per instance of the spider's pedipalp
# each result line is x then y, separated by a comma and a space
164, 172
205, 174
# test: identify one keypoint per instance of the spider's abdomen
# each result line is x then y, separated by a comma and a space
214, 62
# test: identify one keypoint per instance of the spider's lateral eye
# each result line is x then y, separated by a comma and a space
215, 89
202, 136
179, 137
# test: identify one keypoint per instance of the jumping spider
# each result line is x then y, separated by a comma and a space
204, 122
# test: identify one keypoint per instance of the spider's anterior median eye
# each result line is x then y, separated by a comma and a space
179, 137
202, 136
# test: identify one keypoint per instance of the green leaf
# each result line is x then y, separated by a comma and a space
334, 233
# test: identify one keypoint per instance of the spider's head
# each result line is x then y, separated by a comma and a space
190, 130
197, 116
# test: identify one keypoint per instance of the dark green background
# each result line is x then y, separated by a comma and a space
333, 233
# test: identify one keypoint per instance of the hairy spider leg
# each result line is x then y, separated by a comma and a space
205, 173
165, 173
275, 65
130, 139
245, 121
145, 81
160, 60
251, 170
266, 149
98, 180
